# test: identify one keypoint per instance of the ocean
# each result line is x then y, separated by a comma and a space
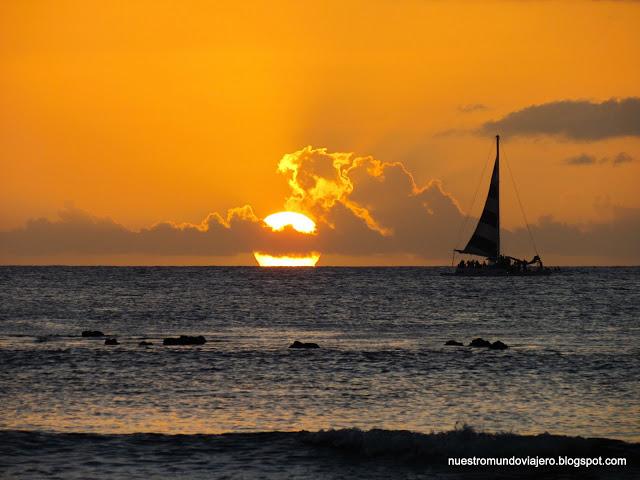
382, 396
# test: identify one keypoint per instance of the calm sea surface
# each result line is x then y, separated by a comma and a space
573, 367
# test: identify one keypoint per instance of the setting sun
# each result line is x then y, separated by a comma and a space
300, 222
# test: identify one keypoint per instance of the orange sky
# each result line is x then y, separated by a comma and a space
157, 111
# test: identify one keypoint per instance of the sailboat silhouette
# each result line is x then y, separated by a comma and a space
485, 241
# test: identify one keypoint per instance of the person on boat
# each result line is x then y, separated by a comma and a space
537, 260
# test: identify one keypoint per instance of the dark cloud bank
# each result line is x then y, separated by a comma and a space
574, 119
367, 208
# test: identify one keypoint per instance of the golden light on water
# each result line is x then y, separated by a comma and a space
300, 223
266, 260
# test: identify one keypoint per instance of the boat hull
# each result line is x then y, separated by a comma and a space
498, 272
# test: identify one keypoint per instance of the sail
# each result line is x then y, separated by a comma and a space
485, 240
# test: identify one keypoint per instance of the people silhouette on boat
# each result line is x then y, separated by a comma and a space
502, 262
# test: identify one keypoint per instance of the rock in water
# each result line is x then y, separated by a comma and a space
480, 342
298, 344
111, 341
92, 333
498, 345
185, 340
454, 343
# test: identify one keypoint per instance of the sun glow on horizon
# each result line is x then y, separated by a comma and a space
266, 260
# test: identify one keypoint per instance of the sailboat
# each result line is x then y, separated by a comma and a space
485, 241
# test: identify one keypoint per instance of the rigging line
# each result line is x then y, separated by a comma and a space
473, 201
524, 215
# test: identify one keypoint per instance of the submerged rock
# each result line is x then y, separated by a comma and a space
111, 341
145, 344
480, 342
92, 333
454, 343
498, 345
185, 340
298, 344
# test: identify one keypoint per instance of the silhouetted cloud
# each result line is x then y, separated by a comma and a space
363, 207
407, 218
472, 107
622, 158
574, 119
582, 159
78, 232
617, 238
585, 159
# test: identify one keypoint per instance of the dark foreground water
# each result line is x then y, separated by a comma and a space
75, 408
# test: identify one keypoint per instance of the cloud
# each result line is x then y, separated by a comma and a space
418, 220
573, 119
364, 207
622, 158
368, 206
618, 238
472, 107
585, 159
78, 232
319, 180
582, 159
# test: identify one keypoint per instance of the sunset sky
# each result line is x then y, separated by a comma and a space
157, 132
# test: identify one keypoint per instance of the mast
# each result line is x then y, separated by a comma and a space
497, 173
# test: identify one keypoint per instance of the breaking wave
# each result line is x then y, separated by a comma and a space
462, 442
347, 453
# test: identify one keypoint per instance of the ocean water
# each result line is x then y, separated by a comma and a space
244, 405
